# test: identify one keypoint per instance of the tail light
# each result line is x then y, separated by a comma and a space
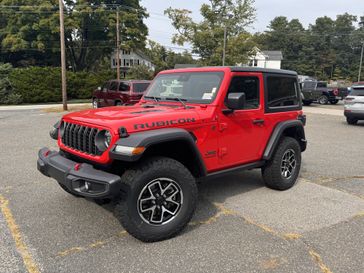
336, 92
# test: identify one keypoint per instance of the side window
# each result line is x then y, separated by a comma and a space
140, 87
124, 87
249, 86
105, 87
113, 86
282, 91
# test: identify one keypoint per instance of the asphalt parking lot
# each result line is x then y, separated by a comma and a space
239, 226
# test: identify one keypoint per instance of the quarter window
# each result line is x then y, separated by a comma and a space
282, 91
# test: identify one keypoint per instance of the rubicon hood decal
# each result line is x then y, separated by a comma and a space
162, 123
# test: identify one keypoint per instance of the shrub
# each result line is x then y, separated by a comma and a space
43, 84
7, 94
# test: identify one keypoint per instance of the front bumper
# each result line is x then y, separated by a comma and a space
79, 178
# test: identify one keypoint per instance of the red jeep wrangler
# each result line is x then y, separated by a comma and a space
192, 124
116, 93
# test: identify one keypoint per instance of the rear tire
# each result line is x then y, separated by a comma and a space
118, 103
156, 185
323, 100
351, 121
334, 101
281, 172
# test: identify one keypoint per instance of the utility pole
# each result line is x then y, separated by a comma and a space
63, 56
117, 46
224, 49
229, 16
361, 24
361, 61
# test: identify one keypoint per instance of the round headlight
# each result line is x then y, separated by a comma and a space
103, 140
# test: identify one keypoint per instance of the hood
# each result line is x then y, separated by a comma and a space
136, 118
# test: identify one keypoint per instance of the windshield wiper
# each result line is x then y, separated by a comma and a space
157, 99
178, 99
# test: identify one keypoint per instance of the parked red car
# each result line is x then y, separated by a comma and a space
114, 93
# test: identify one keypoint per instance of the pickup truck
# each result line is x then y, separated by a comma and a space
318, 91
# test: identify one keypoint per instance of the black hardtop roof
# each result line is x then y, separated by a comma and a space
263, 70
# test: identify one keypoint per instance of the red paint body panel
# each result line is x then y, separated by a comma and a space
224, 140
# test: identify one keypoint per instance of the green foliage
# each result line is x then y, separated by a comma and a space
140, 72
207, 36
29, 31
328, 49
166, 59
43, 84
7, 95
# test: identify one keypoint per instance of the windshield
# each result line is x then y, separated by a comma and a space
198, 87
357, 91
140, 87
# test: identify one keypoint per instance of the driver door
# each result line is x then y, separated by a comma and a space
241, 131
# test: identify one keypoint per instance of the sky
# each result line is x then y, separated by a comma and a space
161, 30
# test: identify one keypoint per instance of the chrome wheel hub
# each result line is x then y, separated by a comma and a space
160, 201
288, 164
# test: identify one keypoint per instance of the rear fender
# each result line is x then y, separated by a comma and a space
291, 128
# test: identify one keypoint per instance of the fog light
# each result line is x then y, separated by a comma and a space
87, 186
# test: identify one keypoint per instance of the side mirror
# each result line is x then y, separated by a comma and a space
99, 88
235, 101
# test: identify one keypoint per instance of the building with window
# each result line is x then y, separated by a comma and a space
266, 59
129, 58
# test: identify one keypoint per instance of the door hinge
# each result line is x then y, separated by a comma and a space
222, 126
222, 151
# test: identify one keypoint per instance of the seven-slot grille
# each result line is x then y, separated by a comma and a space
81, 138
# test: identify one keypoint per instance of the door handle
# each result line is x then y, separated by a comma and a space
258, 121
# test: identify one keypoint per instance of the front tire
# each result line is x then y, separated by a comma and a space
95, 104
161, 199
282, 170
118, 103
334, 102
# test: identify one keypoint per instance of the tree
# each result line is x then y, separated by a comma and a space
140, 72
91, 29
327, 49
29, 33
207, 36
166, 59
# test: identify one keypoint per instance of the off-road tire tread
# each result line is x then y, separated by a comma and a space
129, 177
271, 172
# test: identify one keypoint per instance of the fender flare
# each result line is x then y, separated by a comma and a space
279, 131
149, 138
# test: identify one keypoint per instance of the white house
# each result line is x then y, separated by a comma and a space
266, 59
129, 58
